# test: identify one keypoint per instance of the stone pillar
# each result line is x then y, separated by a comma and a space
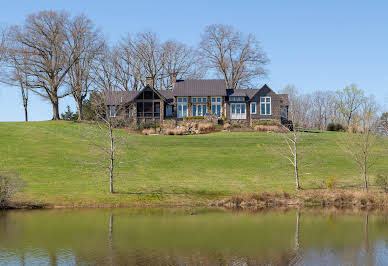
189, 107
209, 105
161, 112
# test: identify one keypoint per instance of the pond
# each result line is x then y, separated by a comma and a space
191, 236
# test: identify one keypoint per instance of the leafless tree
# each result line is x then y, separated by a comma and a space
48, 56
238, 58
105, 136
84, 43
348, 101
362, 145
14, 69
322, 109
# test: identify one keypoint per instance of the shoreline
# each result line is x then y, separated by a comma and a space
320, 199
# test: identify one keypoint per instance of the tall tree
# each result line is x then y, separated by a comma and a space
47, 54
348, 101
362, 145
84, 43
238, 58
13, 70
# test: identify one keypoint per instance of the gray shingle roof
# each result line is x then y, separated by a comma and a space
243, 92
121, 97
200, 87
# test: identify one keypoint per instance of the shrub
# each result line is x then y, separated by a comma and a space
280, 129
193, 117
69, 115
148, 125
205, 127
265, 123
10, 183
236, 126
382, 182
331, 182
149, 131
335, 127
175, 131
227, 126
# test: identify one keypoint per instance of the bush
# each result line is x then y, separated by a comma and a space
266, 123
193, 117
335, 127
69, 115
10, 183
227, 126
330, 183
175, 131
382, 182
279, 129
205, 127
147, 125
149, 131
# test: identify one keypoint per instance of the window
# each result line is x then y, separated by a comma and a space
236, 99
253, 108
199, 109
238, 111
112, 111
198, 99
216, 106
182, 107
284, 112
169, 110
130, 112
265, 105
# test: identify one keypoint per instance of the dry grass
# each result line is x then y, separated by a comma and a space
175, 131
148, 131
205, 127
322, 198
272, 128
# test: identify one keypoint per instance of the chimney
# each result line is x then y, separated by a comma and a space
173, 78
150, 82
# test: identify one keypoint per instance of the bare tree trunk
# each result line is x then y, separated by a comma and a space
296, 161
365, 175
25, 112
55, 110
111, 168
80, 107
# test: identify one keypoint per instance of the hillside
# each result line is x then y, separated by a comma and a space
55, 161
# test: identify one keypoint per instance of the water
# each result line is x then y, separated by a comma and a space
188, 236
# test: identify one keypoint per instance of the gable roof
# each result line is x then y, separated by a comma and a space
200, 87
120, 97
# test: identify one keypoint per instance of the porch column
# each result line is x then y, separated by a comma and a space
189, 107
161, 112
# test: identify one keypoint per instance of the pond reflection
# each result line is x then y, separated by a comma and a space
175, 237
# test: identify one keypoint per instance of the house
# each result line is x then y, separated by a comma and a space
204, 97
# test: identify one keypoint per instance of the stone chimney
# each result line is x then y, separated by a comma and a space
173, 78
150, 81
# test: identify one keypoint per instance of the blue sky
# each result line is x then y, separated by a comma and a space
311, 44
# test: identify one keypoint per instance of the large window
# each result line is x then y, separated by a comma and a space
112, 111
253, 108
238, 111
169, 110
216, 106
265, 105
236, 99
199, 109
182, 107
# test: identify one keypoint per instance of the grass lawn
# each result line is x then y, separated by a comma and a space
50, 157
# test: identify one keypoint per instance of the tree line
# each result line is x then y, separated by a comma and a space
55, 55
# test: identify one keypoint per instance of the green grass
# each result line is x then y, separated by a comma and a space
50, 157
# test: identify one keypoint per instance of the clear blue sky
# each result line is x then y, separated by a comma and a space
311, 44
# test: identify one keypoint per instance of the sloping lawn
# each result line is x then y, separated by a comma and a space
56, 162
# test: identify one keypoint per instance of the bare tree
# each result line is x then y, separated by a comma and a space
348, 101
383, 124
238, 58
84, 43
48, 57
14, 69
361, 146
105, 136
322, 109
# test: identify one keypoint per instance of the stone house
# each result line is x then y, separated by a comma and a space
203, 97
